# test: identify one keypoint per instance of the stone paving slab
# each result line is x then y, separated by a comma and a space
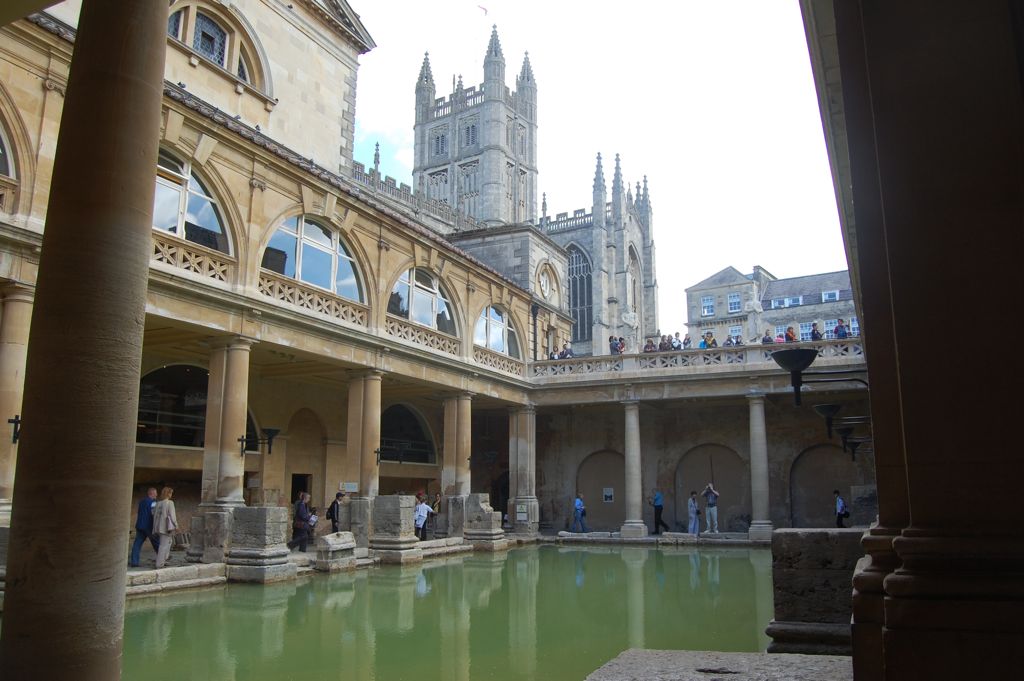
686, 665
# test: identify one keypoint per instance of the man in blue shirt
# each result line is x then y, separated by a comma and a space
144, 526
841, 511
659, 506
579, 510
711, 495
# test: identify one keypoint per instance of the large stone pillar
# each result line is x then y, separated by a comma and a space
523, 469
234, 400
64, 603
634, 525
369, 469
14, 325
464, 441
451, 428
761, 524
354, 430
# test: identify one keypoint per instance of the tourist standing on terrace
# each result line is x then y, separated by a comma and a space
815, 334
613, 345
423, 512
579, 510
841, 511
687, 343
658, 502
165, 522
711, 496
693, 511
676, 343
300, 523
334, 511
790, 335
841, 330
767, 338
144, 527
650, 346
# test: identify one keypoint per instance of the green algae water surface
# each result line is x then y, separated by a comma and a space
547, 613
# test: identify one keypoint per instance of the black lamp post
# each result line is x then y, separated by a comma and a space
268, 439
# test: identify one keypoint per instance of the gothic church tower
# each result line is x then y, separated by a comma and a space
476, 150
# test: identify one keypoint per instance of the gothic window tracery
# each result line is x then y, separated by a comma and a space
581, 304
419, 297
494, 331
469, 187
308, 251
183, 206
437, 186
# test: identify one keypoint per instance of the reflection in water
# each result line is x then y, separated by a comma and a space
532, 613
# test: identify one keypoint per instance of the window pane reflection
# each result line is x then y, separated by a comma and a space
316, 266
280, 254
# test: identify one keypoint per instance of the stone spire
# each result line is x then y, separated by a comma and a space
425, 91
599, 174
617, 177
426, 76
526, 73
376, 159
494, 47
544, 206
647, 197
600, 195
494, 68
618, 195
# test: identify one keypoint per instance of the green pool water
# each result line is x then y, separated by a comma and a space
544, 613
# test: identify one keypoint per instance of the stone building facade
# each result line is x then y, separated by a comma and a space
729, 303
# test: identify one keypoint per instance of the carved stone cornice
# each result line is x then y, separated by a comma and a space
48, 23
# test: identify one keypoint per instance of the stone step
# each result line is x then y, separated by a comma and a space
439, 551
159, 587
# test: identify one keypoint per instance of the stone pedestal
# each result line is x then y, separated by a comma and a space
216, 536
194, 552
335, 552
811, 574
455, 515
258, 552
394, 537
483, 524
361, 520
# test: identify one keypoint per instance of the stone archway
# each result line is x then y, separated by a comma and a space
600, 471
815, 473
731, 476
305, 461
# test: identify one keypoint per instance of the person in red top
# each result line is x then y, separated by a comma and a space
791, 335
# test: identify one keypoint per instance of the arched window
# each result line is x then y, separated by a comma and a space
8, 184
6, 162
581, 304
403, 437
183, 206
494, 331
172, 407
419, 297
215, 39
310, 252
634, 281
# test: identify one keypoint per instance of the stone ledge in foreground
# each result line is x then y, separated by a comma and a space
688, 665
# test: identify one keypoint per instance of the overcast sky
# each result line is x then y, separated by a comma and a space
712, 100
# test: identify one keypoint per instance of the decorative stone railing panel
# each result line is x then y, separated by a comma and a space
746, 356
192, 257
287, 290
496, 360
421, 335
7, 189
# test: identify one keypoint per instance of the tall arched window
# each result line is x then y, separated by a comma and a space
8, 185
315, 254
172, 408
494, 331
581, 304
184, 207
635, 282
6, 162
419, 297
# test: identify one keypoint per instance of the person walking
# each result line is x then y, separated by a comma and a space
300, 523
711, 496
421, 513
578, 513
841, 510
658, 502
334, 512
693, 511
144, 527
165, 522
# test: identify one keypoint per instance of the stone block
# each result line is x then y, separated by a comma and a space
263, 574
176, 574
210, 570
524, 515
141, 578
483, 524
335, 552
399, 557
394, 533
633, 531
455, 515
809, 638
361, 520
194, 552
798, 549
216, 534
258, 552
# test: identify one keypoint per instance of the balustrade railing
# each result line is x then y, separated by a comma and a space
421, 335
289, 290
192, 257
754, 356
496, 360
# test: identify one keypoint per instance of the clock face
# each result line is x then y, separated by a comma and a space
545, 283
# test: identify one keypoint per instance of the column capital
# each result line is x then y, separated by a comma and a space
231, 342
630, 403
522, 408
756, 395
17, 291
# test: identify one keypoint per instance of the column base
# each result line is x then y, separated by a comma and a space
760, 530
525, 515
5, 512
633, 529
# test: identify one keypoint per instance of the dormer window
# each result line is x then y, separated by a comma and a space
217, 36
210, 40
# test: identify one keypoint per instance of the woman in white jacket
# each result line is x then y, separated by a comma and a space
165, 522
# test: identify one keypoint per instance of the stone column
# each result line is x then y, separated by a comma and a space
463, 444
234, 402
761, 524
451, 428
369, 469
14, 325
354, 430
634, 525
525, 471
64, 603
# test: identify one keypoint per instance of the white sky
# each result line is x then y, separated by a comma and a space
712, 100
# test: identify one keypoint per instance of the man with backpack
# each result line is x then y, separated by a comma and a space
334, 512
